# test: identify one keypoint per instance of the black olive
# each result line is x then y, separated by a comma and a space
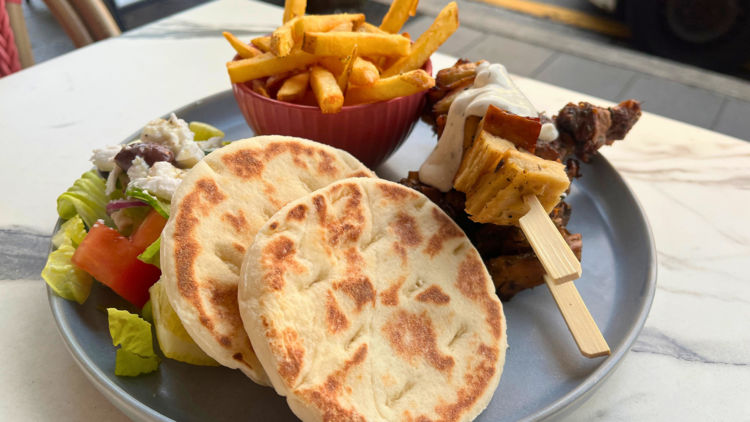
150, 152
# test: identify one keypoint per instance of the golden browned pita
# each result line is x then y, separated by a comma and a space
216, 212
365, 302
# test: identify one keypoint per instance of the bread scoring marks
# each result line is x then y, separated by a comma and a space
326, 398
277, 257
472, 282
335, 318
297, 213
411, 335
238, 221
389, 296
289, 349
204, 197
434, 294
447, 230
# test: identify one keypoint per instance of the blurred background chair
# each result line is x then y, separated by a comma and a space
15, 47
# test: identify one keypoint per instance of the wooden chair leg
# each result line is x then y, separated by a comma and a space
97, 18
20, 33
70, 22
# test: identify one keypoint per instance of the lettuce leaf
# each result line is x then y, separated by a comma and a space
160, 206
85, 198
129, 364
147, 312
134, 335
72, 229
151, 254
174, 340
67, 280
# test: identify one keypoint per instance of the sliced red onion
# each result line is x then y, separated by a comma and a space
119, 204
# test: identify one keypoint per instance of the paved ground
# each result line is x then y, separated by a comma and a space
569, 57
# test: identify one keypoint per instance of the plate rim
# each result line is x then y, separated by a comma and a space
569, 402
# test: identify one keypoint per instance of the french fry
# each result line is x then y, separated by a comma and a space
370, 28
294, 88
294, 9
333, 64
393, 87
274, 82
339, 44
443, 27
267, 64
324, 23
344, 27
282, 39
262, 43
444, 105
453, 74
326, 89
259, 86
364, 73
245, 51
343, 78
397, 15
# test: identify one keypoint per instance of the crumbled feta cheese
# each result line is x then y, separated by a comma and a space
170, 133
104, 158
112, 180
189, 155
138, 169
161, 180
212, 144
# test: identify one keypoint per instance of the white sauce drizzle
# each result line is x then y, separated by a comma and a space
492, 85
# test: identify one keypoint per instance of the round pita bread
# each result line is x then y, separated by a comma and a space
365, 302
216, 212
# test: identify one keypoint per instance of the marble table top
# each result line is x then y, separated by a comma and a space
691, 363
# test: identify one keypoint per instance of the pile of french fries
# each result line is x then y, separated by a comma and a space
345, 60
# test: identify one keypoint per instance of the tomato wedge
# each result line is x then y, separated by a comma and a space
113, 259
149, 230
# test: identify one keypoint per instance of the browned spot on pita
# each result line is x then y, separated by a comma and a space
326, 396
477, 381
205, 195
238, 222
296, 149
434, 294
335, 318
448, 230
395, 192
274, 225
321, 208
238, 247
389, 296
411, 335
225, 341
325, 165
238, 357
360, 174
407, 229
224, 300
270, 192
291, 354
472, 283
400, 251
359, 288
297, 213
276, 259
244, 163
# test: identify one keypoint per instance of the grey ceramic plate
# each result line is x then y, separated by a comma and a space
545, 377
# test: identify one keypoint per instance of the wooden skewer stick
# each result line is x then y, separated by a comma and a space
589, 339
558, 260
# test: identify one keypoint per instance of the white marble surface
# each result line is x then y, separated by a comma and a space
692, 362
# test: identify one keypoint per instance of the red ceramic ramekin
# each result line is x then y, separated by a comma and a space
370, 132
